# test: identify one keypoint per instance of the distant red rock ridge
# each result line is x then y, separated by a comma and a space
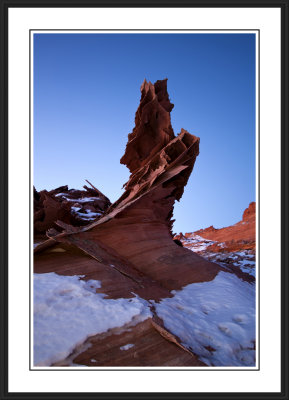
240, 236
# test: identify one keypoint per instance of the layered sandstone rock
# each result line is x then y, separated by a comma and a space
138, 226
130, 248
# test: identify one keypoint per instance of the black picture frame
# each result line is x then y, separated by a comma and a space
284, 7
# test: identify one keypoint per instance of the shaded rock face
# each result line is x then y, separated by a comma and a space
74, 207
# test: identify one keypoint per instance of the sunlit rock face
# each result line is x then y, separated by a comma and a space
232, 246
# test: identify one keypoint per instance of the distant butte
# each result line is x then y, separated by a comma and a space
240, 236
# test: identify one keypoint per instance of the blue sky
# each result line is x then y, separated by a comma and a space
86, 92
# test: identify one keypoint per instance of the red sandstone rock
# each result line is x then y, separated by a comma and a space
132, 244
74, 207
241, 235
48, 211
249, 214
138, 226
150, 349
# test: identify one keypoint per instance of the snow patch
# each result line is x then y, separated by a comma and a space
67, 310
241, 259
197, 243
215, 320
87, 215
127, 346
81, 200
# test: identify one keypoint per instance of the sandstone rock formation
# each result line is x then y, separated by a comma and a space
130, 248
138, 225
74, 207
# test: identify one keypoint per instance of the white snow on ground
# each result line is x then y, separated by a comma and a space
197, 243
88, 215
127, 346
81, 200
60, 194
75, 209
247, 266
215, 319
67, 310
241, 259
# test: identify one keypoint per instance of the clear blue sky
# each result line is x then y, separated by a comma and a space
86, 92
